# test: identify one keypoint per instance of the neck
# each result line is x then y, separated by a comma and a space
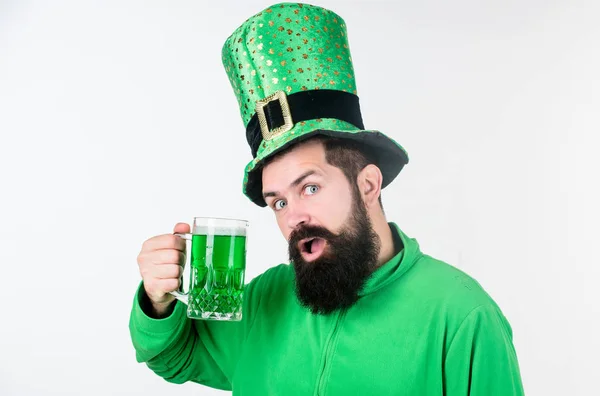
382, 228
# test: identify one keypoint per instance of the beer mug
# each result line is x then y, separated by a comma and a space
217, 266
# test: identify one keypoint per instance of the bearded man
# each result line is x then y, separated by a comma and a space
360, 310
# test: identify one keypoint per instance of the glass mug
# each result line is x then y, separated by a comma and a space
217, 267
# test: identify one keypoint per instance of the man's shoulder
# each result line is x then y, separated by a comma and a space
442, 284
273, 290
282, 274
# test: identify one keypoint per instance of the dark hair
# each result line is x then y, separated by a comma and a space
346, 154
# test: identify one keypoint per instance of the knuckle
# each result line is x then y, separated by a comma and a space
175, 271
149, 260
173, 241
172, 256
150, 285
141, 261
170, 284
144, 258
143, 271
166, 241
146, 244
146, 273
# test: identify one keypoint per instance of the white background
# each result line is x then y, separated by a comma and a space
117, 120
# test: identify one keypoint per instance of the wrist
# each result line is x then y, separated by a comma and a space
155, 310
162, 310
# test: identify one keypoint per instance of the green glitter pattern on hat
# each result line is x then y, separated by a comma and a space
289, 47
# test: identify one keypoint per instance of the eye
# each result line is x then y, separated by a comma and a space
279, 204
311, 189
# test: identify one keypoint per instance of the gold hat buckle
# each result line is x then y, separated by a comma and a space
285, 111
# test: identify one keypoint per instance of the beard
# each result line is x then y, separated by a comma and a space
334, 280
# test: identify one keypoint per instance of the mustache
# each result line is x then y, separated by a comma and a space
310, 231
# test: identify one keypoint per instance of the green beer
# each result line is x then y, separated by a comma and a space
218, 263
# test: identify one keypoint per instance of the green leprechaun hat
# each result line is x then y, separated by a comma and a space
292, 74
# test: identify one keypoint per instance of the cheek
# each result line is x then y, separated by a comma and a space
285, 231
333, 209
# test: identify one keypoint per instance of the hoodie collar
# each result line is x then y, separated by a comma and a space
396, 266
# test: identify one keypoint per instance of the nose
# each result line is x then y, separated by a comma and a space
296, 214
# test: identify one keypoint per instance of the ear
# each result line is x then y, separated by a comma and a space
369, 184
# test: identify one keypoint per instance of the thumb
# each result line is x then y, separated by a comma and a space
181, 228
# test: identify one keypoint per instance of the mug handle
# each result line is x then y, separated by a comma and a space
180, 295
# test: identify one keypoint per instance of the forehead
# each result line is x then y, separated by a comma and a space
309, 155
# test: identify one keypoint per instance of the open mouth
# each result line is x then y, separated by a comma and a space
311, 248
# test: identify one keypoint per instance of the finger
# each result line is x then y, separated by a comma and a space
168, 271
166, 241
168, 285
156, 287
168, 256
181, 228
148, 260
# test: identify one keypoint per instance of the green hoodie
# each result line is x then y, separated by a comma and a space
420, 327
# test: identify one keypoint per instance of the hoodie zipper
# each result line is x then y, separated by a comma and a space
329, 350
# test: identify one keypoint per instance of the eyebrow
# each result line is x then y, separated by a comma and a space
295, 183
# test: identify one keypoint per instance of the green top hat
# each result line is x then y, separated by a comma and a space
292, 74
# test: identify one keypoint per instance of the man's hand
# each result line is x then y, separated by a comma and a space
161, 262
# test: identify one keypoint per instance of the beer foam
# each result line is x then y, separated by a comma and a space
221, 230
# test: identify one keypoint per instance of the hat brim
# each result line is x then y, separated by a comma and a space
390, 157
